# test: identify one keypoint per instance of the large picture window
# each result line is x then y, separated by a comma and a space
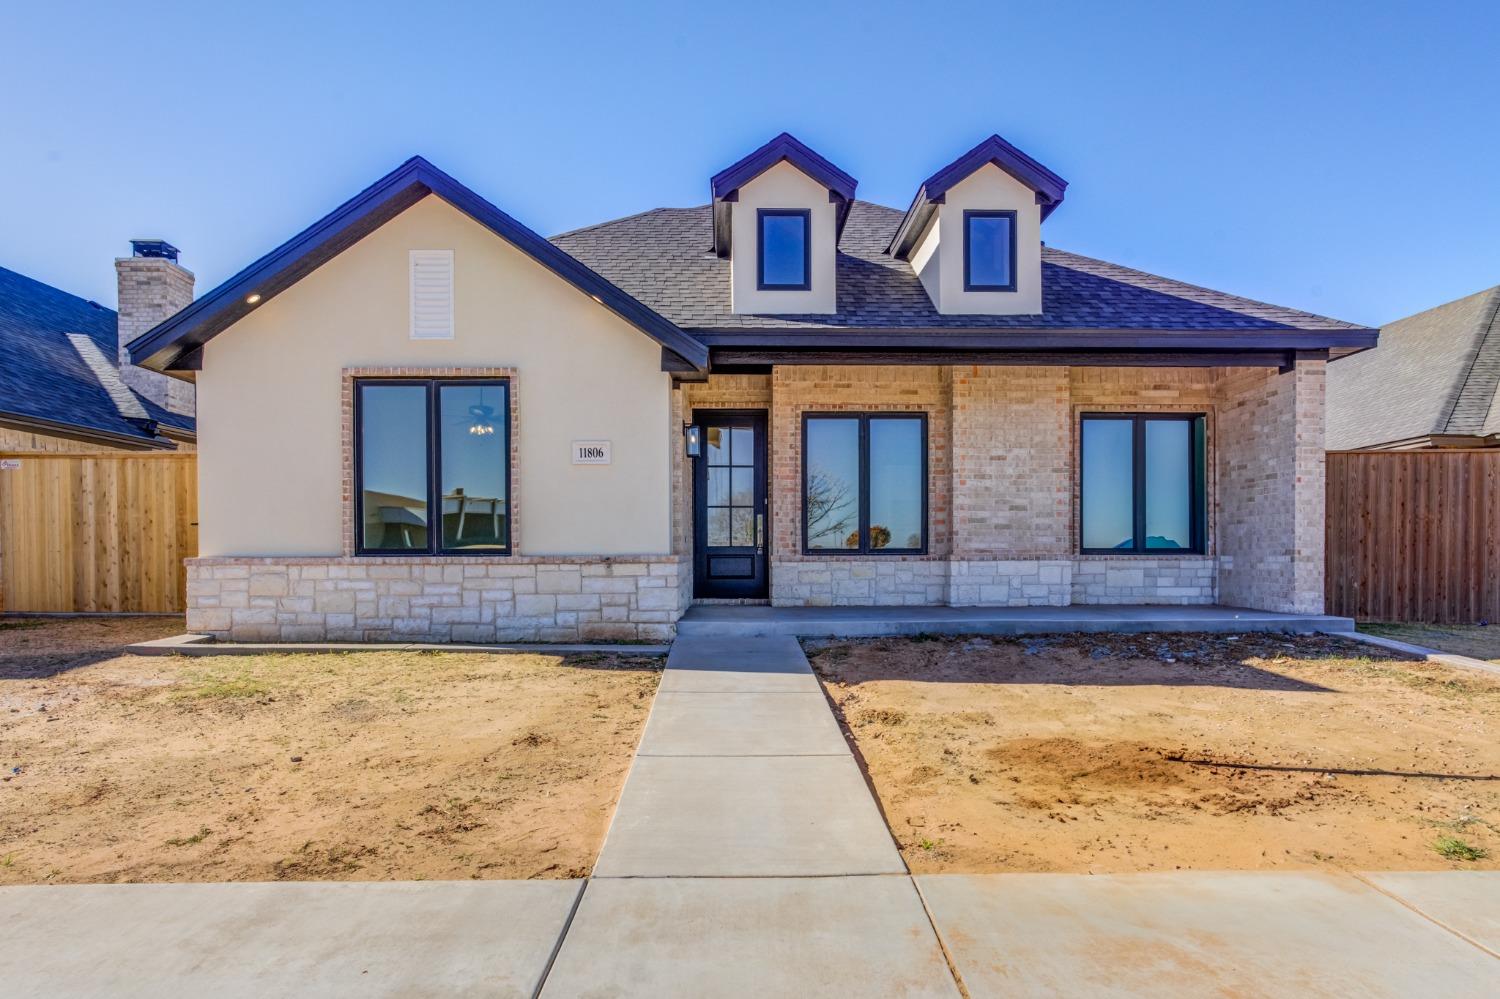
864, 483
432, 466
1142, 483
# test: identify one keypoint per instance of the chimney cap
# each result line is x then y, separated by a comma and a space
153, 248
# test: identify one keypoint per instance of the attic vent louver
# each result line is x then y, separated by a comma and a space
432, 294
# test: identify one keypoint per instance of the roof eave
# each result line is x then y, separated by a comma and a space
170, 345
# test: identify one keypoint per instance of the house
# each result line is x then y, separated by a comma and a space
787, 395
64, 383
1432, 384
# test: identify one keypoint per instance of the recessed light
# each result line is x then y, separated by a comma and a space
252, 299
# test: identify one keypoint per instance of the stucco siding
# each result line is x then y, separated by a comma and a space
271, 422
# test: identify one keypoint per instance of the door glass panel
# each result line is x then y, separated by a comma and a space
718, 446
831, 501
742, 527
393, 466
1108, 484
744, 487
896, 486
476, 511
718, 526
742, 446
1169, 492
718, 487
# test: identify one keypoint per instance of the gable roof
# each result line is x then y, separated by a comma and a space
1434, 373
663, 258
1048, 187
724, 186
58, 375
173, 344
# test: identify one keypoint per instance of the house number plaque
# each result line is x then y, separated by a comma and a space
591, 452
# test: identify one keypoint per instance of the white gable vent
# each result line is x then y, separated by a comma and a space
432, 294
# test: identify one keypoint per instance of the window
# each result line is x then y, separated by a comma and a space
784, 263
864, 483
989, 251
1142, 483
432, 467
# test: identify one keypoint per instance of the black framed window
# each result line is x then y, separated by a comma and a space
783, 261
864, 483
1141, 483
989, 250
432, 466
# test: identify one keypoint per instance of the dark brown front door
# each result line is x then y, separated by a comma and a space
729, 505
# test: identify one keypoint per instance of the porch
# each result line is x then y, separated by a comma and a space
867, 622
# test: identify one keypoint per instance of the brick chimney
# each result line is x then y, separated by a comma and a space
152, 287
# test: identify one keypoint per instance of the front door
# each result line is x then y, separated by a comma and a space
729, 504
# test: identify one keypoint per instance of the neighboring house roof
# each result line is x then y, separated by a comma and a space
1435, 373
58, 373
665, 258
174, 343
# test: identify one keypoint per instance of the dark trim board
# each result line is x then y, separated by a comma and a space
170, 342
727, 360
1034, 338
88, 435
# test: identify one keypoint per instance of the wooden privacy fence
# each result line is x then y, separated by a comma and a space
103, 532
1414, 535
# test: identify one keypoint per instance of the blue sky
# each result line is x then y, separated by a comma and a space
1338, 157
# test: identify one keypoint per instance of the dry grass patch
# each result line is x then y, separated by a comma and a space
365, 766
1135, 753
1477, 641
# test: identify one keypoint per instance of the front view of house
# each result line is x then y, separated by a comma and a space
418, 419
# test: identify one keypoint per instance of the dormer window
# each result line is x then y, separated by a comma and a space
783, 260
989, 251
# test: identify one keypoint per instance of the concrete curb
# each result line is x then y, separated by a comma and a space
1421, 652
202, 645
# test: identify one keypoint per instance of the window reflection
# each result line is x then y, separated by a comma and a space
832, 499
393, 467
475, 493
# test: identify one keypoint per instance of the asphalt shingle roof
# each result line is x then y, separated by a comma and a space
665, 259
1437, 372
43, 375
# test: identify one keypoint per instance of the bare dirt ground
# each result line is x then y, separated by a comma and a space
1473, 640
1137, 753
364, 766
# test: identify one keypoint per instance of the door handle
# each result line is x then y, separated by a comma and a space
760, 532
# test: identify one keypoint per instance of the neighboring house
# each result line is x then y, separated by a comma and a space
64, 385
421, 419
1433, 383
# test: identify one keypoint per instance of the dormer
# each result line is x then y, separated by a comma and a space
777, 217
973, 233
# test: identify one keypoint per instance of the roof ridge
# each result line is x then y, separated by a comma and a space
1487, 343
126, 403
1193, 292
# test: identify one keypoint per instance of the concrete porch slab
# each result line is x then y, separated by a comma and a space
746, 816
203, 645
864, 622
1196, 934
1467, 902
741, 724
751, 937
286, 939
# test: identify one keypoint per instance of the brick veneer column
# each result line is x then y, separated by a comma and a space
1271, 487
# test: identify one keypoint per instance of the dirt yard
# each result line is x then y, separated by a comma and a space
365, 766
1116, 753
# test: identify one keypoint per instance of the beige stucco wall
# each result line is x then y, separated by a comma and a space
988, 188
269, 420
783, 186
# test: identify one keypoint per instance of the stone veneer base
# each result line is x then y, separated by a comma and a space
479, 599
980, 582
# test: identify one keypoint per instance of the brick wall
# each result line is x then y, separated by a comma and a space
1270, 517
